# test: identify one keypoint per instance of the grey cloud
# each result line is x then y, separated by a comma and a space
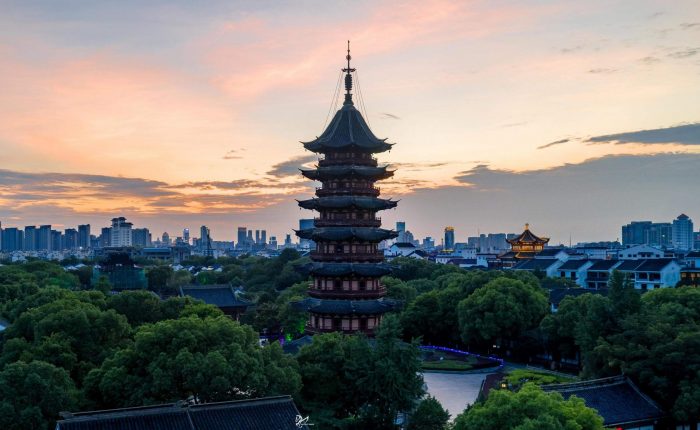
231, 155
687, 134
290, 167
386, 115
649, 60
550, 144
684, 53
602, 70
688, 25
572, 49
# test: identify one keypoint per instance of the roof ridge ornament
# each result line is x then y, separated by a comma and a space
348, 79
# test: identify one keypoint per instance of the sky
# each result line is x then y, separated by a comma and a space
575, 117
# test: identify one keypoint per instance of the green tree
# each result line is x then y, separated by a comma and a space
209, 359
158, 277
429, 415
624, 298
529, 409
433, 316
32, 394
502, 309
138, 307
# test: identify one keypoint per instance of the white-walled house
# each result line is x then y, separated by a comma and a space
657, 273
576, 270
639, 252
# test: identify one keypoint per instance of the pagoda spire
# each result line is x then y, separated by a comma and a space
348, 79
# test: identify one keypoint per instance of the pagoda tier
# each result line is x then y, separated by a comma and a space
346, 293
527, 242
340, 172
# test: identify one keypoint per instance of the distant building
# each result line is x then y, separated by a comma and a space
70, 238
141, 237
635, 233
523, 247
263, 238
165, 240
12, 239
43, 238
428, 243
306, 224
223, 297
30, 238
204, 238
105, 239
273, 242
120, 235
56, 241
186, 235
683, 233
241, 238
449, 242
84, 236
639, 252
121, 271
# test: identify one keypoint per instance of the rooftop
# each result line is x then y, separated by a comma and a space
616, 399
218, 295
528, 237
270, 413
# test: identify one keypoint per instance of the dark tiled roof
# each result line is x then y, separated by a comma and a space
339, 269
603, 265
573, 265
458, 261
628, 265
556, 295
693, 254
404, 245
551, 252
340, 202
348, 130
346, 233
271, 413
616, 399
535, 264
217, 295
654, 264
293, 346
347, 307
528, 237
328, 172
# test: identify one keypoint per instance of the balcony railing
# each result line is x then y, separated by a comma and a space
315, 330
375, 222
347, 256
346, 161
346, 294
364, 191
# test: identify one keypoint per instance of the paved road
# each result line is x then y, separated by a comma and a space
454, 390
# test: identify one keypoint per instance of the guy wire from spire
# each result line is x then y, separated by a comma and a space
334, 100
361, 99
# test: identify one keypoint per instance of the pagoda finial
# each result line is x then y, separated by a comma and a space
348, 79
527, 226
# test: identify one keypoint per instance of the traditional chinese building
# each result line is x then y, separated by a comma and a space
346, 294
523, 247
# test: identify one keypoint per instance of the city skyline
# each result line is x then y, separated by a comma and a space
200, 125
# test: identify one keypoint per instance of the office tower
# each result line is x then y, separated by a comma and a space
165, 239
683, 233
12, 239
660, 234
84, 236
273, 242
257, 237
121, 232
249, 239
263, 237
241, 236
428, 243
346, 293
70, 238
57, 240
204, 237
186, 235
30, 238
306, 224
43, 238
449, 242
635, 233
400, 226
105, 238
140, 237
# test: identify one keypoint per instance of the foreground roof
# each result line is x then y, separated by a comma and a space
616, 399
536, 264
218, 295
348, 202
270, 413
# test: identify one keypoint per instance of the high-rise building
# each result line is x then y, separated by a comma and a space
43, 238
659, 234
204, 237
84, 236
12, 239
683, 233
288, 241
428, 243
57, 241
120, 235
635, 233
242, 238
273, 242
346, 294
70, 236
257, 237
263, 238
186, 235
249, 239
449, 242
30, 238
165, 239
141, 237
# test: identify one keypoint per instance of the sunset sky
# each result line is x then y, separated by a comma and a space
576, 117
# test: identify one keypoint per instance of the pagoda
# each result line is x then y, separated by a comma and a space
523, 247
346, 294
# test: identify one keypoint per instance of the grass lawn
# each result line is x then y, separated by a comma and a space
443, 360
